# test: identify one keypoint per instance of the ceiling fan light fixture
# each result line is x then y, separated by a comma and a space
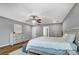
55, 21
33, 21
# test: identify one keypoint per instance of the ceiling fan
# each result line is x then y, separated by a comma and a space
35, 19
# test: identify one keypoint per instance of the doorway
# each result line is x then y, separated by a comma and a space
46, 31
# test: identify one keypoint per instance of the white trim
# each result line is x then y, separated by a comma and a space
4, 45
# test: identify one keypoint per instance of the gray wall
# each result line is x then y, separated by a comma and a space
27, 31
6, 27
55, 30
72, 20
5, 30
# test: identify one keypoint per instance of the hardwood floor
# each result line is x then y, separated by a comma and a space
6, 50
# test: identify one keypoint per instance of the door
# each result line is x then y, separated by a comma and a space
46, 31
33, 32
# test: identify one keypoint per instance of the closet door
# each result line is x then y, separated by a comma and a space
55, 30
17, 28
27, 31
18, 33
39, 31
34, 32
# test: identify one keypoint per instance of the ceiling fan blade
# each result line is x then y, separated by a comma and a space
39, 20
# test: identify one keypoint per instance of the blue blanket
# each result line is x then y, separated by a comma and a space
47, 50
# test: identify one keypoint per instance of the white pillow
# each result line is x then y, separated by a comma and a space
69, 38
65, 35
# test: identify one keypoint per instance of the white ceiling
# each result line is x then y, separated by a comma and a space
49, 11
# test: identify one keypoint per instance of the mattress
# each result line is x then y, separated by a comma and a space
57, 43
46, 51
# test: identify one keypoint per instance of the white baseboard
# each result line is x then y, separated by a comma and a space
4, 45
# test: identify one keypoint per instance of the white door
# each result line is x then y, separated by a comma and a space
33, 32
45, 31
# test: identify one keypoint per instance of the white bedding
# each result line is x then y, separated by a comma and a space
57, 43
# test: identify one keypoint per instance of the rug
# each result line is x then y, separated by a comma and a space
18, 52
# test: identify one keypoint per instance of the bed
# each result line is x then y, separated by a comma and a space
51, 45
